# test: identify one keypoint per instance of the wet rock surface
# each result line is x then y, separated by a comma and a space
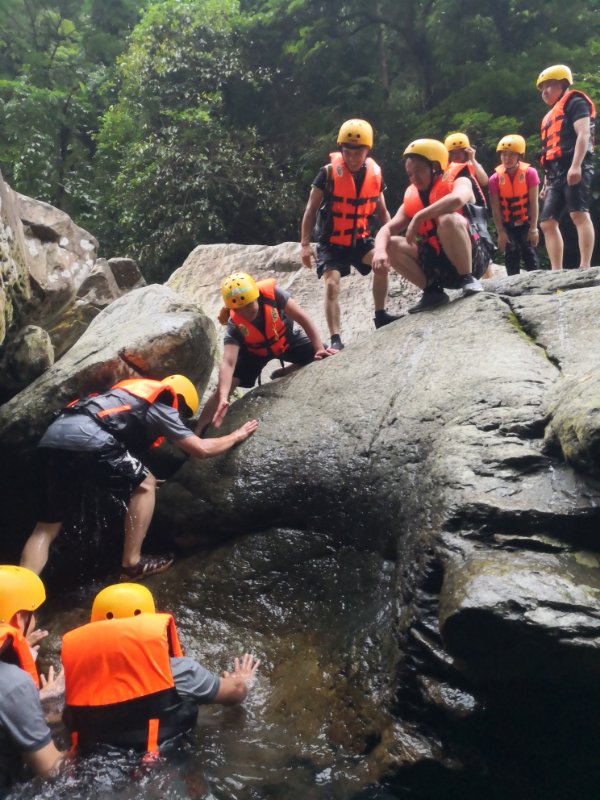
411, 541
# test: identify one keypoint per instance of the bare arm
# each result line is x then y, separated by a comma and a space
480, 173
233, 686
299, 315
308, 223
534, 208
582, 129
46, 761
396, 225
207, 448
462, 193
383, 215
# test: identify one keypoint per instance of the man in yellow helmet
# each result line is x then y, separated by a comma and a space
441, 247
99, 439
260, 321
567, 134
24, 735
345, 196
142, 691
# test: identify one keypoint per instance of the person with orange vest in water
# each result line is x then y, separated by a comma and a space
127, 682
25, 738
260, 319
567, 134
345, 196
513, 192
99, 440
441, 247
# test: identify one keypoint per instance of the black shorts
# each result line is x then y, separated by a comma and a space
249, 367
561, 198
63, 472
439, 270
333, 256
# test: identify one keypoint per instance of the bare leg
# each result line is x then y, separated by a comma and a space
404, 258
35, 552
137, 520
554, 242
585, 236
332, 306
454, 237
380, 284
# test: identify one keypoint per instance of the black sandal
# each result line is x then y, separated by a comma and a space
146, 566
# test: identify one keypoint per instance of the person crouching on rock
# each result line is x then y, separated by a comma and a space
94, 439
440, 247
127, 683
260, 327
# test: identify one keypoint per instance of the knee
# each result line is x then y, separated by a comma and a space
148, 485
549, 225
451, 225
332, 290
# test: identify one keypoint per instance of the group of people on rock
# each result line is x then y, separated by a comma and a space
144, 690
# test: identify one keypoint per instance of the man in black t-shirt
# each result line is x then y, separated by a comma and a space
344, 197
567, 134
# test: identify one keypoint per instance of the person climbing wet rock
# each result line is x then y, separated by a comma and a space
260, 321
99, 440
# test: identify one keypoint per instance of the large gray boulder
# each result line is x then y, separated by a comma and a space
463, 444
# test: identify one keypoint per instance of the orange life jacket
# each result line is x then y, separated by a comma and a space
442, 186
514, 194
121, 419
350, 212
18, 651
557, 139
119, 685
273, 341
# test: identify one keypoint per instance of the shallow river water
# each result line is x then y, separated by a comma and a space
319, 617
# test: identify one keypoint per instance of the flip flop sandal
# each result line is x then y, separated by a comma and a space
146, 566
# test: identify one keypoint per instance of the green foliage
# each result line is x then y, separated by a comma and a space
163, 125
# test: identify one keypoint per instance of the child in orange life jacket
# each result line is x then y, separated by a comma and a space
567, 134
260, 327
440, 248
25, 737
98, 440
345, 195
127, 681
513, 192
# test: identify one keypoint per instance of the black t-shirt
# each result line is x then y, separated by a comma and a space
576, 108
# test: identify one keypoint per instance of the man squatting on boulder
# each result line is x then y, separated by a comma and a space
449, 252
98, 439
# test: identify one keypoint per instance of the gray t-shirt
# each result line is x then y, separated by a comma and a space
23, 728
194, 681
81, 433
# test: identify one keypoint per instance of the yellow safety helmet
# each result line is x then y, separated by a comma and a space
122, 600
20, 590
357, 132
558, 72
512, 142
456, 141
238, 290
430, 149
186, 389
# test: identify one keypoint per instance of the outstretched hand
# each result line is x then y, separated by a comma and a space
247, 429
324, 352
53, 685
35, 637
244, 669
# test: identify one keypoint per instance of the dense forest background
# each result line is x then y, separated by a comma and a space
162, 125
